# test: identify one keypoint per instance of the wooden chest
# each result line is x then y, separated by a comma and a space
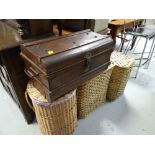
61, 64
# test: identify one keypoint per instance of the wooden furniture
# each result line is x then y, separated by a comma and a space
12, 75
59, 23
117, 26
76, 24
34, 27
105, 31
95, 25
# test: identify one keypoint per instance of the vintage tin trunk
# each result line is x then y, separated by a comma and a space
61, 64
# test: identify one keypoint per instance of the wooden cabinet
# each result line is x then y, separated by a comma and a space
14, 80
12, 75
29, 28
5, 80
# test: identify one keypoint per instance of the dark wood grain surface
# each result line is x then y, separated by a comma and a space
12, 76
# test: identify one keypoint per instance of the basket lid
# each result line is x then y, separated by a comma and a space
121, 60
40, 99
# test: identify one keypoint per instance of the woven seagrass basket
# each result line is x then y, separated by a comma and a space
93, 93
122, 67
56, 118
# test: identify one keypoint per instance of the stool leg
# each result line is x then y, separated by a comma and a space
137, 41
59, 24
120, 45
128, 45
133, 42
150, 53
141, 57
123, 37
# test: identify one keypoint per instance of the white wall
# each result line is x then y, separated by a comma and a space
100, 24
150, 21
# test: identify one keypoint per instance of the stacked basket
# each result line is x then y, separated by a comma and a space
120, 74
93, 93
57, 118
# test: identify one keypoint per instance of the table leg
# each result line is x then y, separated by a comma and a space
113, 33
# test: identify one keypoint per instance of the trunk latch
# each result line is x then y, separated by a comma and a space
88, 61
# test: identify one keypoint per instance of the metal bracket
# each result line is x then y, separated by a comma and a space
88, 61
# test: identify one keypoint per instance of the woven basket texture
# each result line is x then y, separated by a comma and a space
93, 93
58, 118
122, 68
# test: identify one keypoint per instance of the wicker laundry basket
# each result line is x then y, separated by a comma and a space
56, 118
93, 93
120, 74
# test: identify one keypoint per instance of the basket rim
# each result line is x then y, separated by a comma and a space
131, 60
43, 101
